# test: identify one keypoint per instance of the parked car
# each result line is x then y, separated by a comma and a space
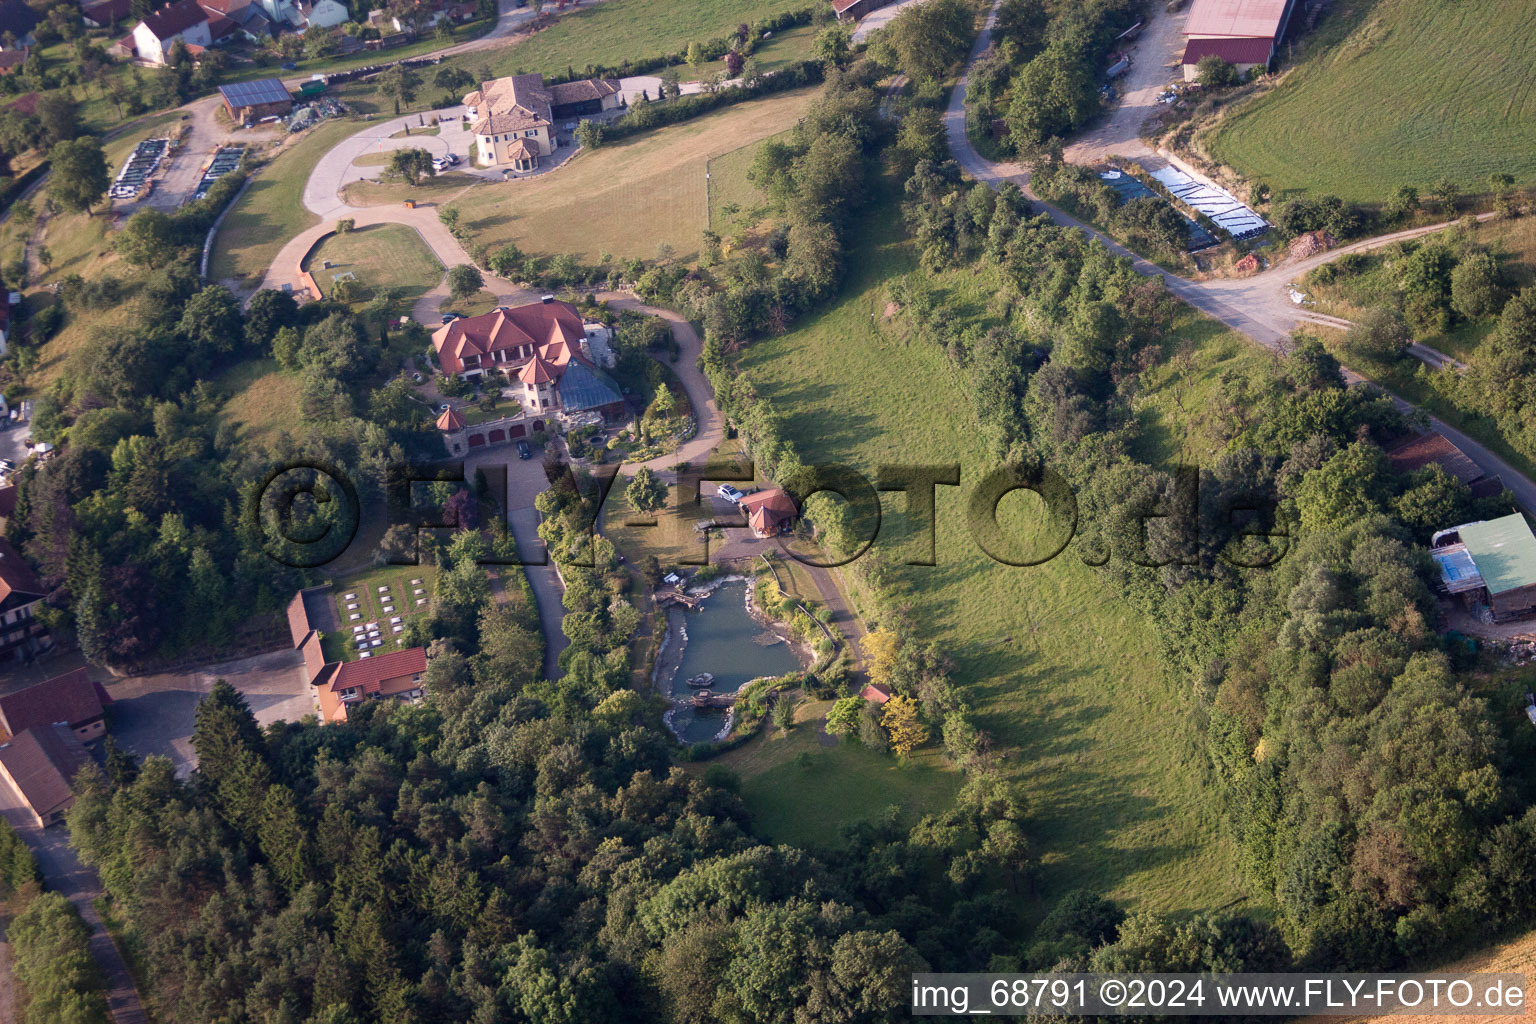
449, 318
7, 465
288, 65
415, 378
729, 493
523, 451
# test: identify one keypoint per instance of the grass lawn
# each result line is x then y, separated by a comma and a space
381, 256
672, 540
624, 199
777, 51
371, 603
804, 801
263, 399
611, 32
272, 210
1397, 92
503, 406
1059, 669
729, 187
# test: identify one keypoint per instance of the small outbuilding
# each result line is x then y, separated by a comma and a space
249, 102
1491, 564
769, 512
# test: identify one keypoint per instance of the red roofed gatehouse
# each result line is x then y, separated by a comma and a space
769, 512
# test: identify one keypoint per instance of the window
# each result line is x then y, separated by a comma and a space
530, 134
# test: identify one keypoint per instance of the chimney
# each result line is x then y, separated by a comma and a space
547, 299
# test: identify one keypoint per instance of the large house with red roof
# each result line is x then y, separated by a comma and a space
551, 358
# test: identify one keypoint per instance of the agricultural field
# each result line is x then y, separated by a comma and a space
382, 258
613, 31
271, 211
625, 199
1060, 671
1396, 92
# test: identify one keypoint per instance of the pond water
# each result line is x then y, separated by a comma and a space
721, 640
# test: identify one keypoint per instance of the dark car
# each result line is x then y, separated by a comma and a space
449, 318
523, 451
288, 65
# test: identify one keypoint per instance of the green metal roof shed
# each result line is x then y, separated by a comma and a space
1505, 552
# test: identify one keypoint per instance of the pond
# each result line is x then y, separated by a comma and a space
719, 637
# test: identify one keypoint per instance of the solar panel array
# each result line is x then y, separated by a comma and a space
224, 161
146, 157
1216, 203
252, 94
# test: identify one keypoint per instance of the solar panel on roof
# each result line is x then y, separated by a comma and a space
250, 94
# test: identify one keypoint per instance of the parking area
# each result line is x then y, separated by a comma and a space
154, 714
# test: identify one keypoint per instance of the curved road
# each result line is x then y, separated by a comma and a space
1257, 306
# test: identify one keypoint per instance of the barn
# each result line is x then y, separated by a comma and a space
249, 102
1245, 33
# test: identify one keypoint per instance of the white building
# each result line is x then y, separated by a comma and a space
184, 20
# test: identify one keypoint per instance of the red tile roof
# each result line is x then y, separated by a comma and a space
1420, 450
451, 420
70, 698
583, 91
43, 763
766, 510
173, 19
1233, 51
876, 693
536, 371
371, 673
518, 330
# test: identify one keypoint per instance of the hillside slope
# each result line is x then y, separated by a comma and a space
1397, 92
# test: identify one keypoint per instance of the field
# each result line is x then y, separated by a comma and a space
271, 211
1397, 92
624, 199
1060, 670
382, 256
263, 399
613, 31
804, 800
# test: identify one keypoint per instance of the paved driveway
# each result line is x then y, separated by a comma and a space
154, 714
